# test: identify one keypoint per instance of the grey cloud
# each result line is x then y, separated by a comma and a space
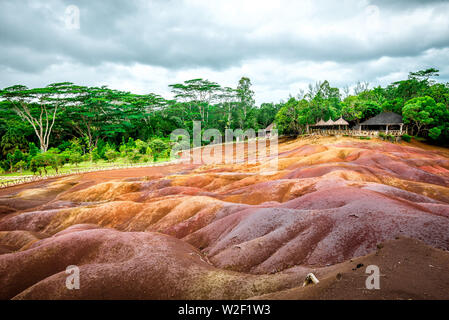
406, 4
177, 36
171, 35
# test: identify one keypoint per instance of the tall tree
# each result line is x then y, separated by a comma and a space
39, 107
227, 98
196, 93
245, 96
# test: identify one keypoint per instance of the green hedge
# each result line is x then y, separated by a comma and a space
406, 138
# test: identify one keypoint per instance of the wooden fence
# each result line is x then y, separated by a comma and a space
355, 133
30, 179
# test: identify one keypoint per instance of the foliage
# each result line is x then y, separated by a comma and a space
102, 124
406, 138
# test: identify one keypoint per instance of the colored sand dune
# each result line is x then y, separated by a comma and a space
237, 232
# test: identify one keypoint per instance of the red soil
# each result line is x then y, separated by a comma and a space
233, 231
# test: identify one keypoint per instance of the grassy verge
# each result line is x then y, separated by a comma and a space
71, 168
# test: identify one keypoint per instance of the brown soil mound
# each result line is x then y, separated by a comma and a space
118, 265
408, 270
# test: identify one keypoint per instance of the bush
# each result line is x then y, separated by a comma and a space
406, 138
158, 146
75, 158
111, 154
48, 159
33, 149
141, 146
434, 133
19, 166
134, 155
34, 165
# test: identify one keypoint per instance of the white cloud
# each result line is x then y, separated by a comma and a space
282, 46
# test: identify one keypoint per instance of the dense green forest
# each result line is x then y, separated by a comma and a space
64, 123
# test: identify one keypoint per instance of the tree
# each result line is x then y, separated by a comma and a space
19, 166
96, 113
434, 133
418, 111
245, 96
158, 146
424, 74
394, 105
111, 154
287, 120
38, 107
352, 109
34, 166
75, 158
361, 87
49, 159
227, 97
324, 101
11, 140
196, 93
266, 113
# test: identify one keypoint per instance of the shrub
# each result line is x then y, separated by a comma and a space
134, 155
33, 149
75, 158
34, 165
406, 138
111, 154
158, 146
19, 166
141, 146
434, 133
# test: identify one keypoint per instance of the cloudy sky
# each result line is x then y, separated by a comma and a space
143, 46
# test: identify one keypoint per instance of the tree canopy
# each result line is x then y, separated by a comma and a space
65, 122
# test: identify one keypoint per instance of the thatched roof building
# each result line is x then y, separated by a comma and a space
341, 122
270, 127
269, 130
383, 119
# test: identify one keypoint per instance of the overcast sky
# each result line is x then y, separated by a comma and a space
143, 46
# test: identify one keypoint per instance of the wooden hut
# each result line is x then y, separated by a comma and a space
269, 130
389, 122
319, 123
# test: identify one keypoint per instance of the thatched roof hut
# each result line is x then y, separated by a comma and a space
320, 123
383, 119
270, 127
269, 130
329, 122
341, 122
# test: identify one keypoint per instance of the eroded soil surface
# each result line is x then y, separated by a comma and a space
333, 207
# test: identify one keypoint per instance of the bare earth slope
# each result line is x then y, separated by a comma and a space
237, 231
